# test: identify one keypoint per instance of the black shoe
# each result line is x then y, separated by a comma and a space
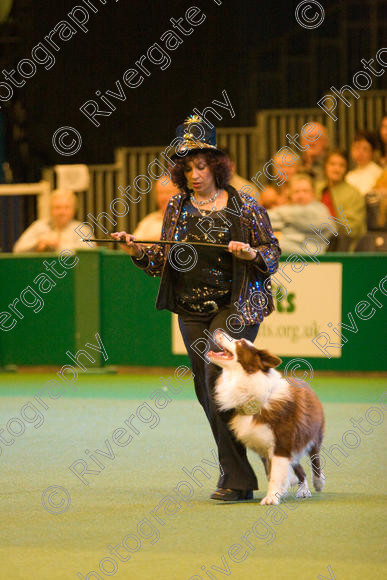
232, 494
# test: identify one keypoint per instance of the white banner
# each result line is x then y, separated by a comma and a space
313, 301
75, 177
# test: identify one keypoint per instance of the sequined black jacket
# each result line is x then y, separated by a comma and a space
251, 294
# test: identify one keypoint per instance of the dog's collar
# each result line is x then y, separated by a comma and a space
251, 407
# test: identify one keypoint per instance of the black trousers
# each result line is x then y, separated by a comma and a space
237, 471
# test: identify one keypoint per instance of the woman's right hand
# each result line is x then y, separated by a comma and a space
130, 247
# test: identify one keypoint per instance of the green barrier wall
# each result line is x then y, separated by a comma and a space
105, 293
40, 338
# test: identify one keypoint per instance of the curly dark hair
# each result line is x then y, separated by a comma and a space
218, 162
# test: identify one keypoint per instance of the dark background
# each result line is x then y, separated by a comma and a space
255, 50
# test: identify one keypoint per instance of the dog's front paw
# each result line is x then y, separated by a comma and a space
303, 490
271, 499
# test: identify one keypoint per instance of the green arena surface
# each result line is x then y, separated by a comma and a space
140, 494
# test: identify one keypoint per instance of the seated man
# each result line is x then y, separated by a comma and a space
313, 156
149, 228
292, 223
366, 172
56, 233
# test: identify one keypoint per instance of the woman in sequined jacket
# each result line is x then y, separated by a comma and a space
251, 287
210, 287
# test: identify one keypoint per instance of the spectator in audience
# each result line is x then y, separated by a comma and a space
375, 240
366, 172
334, 192
313, 156
149, 228
380, 190
382, 137
239, 182
272, 197
290, 170
293, 222
57, 233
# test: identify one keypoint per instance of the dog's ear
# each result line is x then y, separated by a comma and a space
268, 360
248, 356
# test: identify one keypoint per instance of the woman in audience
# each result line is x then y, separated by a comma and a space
335, 193
366, 172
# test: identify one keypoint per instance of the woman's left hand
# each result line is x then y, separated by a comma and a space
242, 250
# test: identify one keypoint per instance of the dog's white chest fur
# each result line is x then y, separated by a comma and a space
259, 437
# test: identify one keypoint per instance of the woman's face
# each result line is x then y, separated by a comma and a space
383, 130
362, 152
335, 168
199, 175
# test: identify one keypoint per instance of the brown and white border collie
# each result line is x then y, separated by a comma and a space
280, 421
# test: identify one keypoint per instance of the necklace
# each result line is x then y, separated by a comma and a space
197, 203
210, 200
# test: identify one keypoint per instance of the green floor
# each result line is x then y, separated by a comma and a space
337, 534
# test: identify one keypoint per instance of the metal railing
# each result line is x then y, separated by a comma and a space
20, 203
273, 125
250, 147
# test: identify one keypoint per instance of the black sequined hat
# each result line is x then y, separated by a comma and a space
195, 135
